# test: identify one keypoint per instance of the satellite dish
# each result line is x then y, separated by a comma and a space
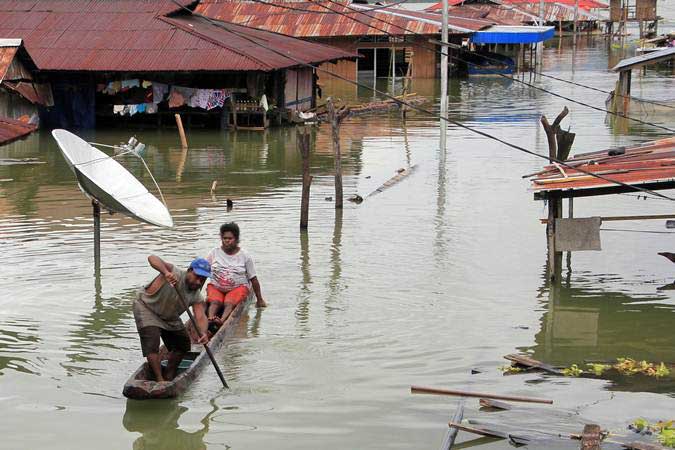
102, 178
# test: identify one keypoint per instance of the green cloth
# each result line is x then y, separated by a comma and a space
164, 308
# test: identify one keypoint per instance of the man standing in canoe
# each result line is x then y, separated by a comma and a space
158, 307
233, 275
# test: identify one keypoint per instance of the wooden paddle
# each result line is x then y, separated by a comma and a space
199, 333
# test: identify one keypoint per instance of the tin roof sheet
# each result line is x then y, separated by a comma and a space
515, 12
647, 58
11, 129
124, 35
330, 18
647, 163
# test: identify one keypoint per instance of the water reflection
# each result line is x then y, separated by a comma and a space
302, 310
157, 421
335, 281
584, 321
18, 336
102, 328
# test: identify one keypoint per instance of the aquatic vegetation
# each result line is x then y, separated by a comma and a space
629, 366
664, 431
598, 369
572, 371
510, 369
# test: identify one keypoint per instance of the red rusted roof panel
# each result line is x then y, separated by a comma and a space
646, 163
330, 18
11, 129
6, 58
124, 35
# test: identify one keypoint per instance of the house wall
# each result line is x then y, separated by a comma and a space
298, 90
15, 106
645, 10
423, 58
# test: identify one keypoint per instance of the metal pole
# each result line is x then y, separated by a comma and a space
444, 75
97, 233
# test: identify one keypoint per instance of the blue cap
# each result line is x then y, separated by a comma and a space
201, 267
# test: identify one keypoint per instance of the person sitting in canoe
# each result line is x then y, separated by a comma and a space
232, 276
158, 307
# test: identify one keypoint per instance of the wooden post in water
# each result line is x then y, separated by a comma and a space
181, 131
334, 118
302, 134
555, 136
97, 234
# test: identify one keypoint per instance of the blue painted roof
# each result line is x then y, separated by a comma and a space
501, 34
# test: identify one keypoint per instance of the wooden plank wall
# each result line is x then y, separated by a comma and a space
424, 58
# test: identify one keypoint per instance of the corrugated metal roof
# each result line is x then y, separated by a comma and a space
315, 19
515, 12
650, 162
647, 58
131, 36
6, 58
500, 14
11, 129
584, 4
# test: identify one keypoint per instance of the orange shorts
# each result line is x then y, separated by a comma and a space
233, 297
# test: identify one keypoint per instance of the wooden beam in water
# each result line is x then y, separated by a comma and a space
436, 391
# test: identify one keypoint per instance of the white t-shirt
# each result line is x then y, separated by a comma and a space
230, 271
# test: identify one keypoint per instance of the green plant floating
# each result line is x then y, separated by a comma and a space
598, 369
667, 437
572, 371
640, 424
662, 371
510, 369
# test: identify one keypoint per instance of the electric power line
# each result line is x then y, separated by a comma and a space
496, 73
223, 26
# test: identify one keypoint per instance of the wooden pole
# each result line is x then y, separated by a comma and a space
335, 128
233, 105
303, 146
97, 233
576, 18
181, 131
436, 391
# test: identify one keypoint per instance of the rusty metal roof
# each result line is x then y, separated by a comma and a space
6, 58
331, 18
517, 12
11, 129
133, 36
651, 163
500, 14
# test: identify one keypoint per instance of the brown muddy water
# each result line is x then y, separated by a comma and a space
438, 275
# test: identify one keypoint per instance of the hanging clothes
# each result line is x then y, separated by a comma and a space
216, 99
128, 84
200, 99
159, 91
146, 84
176, 99
118, 109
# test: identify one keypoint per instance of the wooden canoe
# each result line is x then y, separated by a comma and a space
141, 384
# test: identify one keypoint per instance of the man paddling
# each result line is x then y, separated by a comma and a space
158, 307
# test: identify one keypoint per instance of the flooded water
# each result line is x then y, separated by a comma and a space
440, 274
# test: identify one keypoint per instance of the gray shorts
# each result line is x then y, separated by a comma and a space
175, 340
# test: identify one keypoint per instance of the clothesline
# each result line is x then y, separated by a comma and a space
178, 96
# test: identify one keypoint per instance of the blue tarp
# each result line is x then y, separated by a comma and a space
512, 35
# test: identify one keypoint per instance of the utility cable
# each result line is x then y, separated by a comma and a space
223, 26
364, 12
331, 11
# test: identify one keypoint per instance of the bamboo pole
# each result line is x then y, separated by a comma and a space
181, 131
436, 391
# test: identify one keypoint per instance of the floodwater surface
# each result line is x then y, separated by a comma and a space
440, 274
